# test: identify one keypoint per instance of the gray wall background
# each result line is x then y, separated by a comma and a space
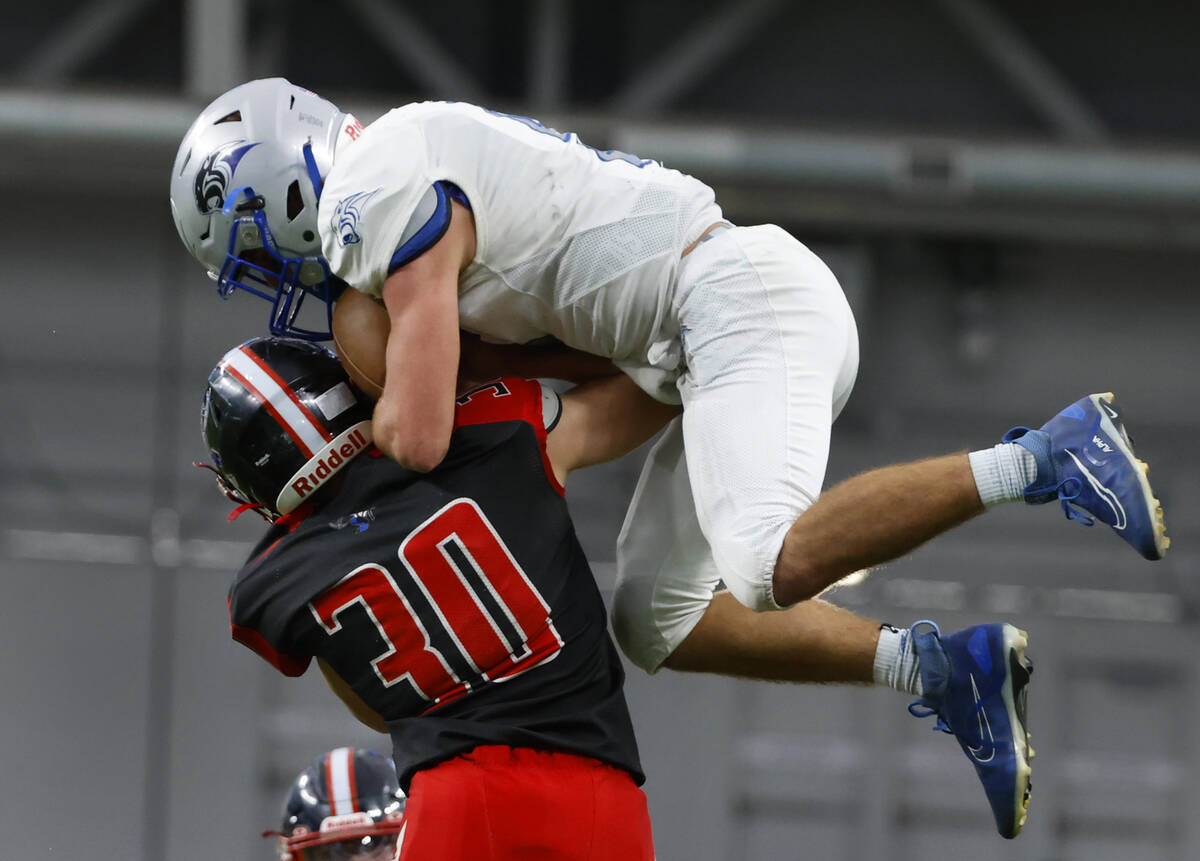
132, 727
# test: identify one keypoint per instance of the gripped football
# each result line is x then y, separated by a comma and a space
360, 335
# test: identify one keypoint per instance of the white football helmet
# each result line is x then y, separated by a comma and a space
244, 192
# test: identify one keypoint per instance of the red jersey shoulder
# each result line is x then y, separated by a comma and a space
511, 399
501, 400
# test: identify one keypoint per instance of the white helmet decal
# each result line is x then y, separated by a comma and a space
346, 216
216, 173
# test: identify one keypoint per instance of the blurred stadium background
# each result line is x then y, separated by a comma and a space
1010, 193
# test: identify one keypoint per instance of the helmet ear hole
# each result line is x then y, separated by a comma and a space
295, 201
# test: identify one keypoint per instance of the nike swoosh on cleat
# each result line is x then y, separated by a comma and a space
985, 726
1112, 414
1105, 494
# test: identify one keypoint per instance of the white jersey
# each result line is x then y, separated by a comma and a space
572, 242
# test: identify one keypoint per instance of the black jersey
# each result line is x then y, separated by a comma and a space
458, 603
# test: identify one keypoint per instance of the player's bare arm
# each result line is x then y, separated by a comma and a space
353, 701
415, 414
601, 421
360, 333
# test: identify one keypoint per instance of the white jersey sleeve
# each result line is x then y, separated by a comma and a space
580, 244
379, 203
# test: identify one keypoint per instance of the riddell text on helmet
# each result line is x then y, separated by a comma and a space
326, 466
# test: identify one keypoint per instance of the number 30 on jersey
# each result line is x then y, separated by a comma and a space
497, 623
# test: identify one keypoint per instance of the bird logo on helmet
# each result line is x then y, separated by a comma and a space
346, 805
281, 418
216, 173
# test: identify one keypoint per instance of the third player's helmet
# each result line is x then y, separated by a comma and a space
346, 805
244, 193
281, 417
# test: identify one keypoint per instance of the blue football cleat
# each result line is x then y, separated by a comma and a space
975, 681
1085, 459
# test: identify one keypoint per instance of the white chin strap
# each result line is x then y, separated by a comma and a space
324, 465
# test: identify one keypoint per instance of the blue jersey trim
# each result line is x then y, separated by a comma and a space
456, 193
314, 175
433, 229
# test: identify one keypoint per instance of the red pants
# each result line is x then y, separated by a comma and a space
499, 803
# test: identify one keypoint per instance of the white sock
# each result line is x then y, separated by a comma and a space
1002, 472
896, 664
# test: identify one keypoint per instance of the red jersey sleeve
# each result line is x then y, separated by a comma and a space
509, 399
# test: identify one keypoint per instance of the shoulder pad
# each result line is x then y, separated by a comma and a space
427, 224
551, 408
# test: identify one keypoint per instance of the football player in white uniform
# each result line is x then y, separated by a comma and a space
460, 217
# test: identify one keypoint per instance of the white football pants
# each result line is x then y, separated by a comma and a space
772, 352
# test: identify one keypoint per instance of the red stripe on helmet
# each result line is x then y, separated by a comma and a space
265, 402
287, 390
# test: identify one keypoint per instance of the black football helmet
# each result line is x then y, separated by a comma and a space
281, 417
346, 805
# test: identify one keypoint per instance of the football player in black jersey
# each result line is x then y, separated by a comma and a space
453, 610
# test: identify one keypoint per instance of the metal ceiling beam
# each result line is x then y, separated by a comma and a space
1033, 77
90, 30
214, 46
114, 118
698, 52
941, 169
51, 139
952, 168
414, 49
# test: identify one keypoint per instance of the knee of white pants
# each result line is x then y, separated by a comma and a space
772, 353
666, 574
648, 631
633, 625
745, 552
666, 577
